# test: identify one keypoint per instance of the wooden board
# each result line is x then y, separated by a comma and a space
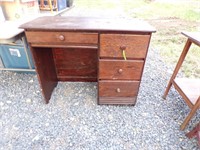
75, 64
117, 100
120, 69
44, 64
135, 46
189, 87
88, 24
118, 88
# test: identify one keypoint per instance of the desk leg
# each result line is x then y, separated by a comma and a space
46, 72
180, 61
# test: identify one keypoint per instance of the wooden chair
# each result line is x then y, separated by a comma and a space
189, 89
194, 108
195, 132
49, 6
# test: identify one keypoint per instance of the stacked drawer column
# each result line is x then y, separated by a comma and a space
121, 62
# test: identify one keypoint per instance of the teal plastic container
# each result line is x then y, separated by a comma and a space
14, 56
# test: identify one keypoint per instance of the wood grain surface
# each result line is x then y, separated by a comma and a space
120, 69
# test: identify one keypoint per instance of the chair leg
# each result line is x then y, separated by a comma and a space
167, 89
178, 65
191, 114
50, 5
42, 3
55, 4
198, 137
195, 132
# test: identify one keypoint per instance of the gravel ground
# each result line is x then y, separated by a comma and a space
73, 120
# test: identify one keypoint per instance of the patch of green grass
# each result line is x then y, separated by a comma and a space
96, 4
191, 65
146, 9
168, 10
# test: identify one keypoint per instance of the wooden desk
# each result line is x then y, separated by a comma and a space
90, 49
189, 89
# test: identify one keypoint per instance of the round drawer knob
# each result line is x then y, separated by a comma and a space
118, 90
123, 47
61, 37
120, 71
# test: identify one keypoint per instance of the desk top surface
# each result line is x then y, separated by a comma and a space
87, 24
194, 36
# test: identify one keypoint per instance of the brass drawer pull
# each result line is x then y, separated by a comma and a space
124, 54
61, 37
123, 48
118, 90
120, 71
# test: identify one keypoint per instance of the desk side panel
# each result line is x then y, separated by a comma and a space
75, 64
43, 59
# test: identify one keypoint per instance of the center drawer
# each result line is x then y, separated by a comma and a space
120, 69
112, 45
81, 38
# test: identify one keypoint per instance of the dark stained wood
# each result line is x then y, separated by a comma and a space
189, 89
120, 69
80, 63
76, 47
195, 107
44, 64
193, 36
58, 23
195, 132
53, 45
62, 37
118, 88
77, 78
117, 100
178, 66
135, 45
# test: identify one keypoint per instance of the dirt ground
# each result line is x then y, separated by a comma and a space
173, 26
170, 42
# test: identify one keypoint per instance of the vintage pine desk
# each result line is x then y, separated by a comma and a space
111, 52
189, 89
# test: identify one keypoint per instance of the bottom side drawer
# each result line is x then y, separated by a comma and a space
110, 88
117, 100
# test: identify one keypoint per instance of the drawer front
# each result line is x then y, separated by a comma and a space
120, 69
62, 37
110, 88
135, 46
118, 100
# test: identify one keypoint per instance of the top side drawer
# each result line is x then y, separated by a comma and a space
112, 45
62, 37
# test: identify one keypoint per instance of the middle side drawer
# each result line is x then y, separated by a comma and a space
120, 69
